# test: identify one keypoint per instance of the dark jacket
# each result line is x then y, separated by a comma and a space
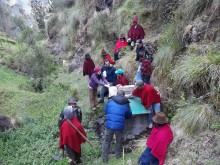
88, 67
117, 109
145, 49
110, 72
77, 112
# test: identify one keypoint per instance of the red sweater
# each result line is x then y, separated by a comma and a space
148, 95
108, 57
159, 140
88, 67
119, 45
136, 33
69, 136
122, 80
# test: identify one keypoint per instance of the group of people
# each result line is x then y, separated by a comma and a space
117, 108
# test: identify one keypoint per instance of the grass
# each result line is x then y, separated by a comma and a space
194, 118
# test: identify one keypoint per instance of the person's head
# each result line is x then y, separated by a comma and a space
103, 53
119, 72
107, 63
68, 112
134, 21
121, 93
122, 38
87, 56
160, 119
97, 70
139, 84
72, 102
139, 43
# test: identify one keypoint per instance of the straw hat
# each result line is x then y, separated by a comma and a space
160, 118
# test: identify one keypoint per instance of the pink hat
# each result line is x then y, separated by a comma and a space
97, 69
134, 20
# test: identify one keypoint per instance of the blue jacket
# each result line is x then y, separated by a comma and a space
117, 109
111, 75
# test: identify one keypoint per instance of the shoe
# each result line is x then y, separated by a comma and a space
150, 125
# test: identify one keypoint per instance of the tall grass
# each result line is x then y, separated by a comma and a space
194, 118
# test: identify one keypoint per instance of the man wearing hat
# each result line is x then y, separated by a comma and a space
158, 141
106, 56
72, 102
120, 44
88, 65
135, 32
142, 48
150, 98
121, 78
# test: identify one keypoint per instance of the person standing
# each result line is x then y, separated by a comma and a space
135, 32
70, 139
108, 72
117, 109
150, 98
158, 141
88, 66
96, 79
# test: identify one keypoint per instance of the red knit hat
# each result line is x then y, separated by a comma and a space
97, 69
134, 20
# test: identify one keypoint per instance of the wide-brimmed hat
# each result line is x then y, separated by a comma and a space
139, 83
119, 71
72, 100
160, 118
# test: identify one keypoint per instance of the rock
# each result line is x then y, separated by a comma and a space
5, 123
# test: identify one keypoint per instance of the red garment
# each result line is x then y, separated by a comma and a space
108, 57
148, 95
88, 67
121, 79
69, 136
120, 44
159, 140
136, 33
146, 68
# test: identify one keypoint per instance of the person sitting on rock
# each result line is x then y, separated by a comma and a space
88, 65
135, 32
96, 79
121, 78
108, 72
142, 48
106, 56
120, 43
117, 109
70, 139
158, 141
76, 111
150, 98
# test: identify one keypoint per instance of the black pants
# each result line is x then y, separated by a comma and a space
73, 155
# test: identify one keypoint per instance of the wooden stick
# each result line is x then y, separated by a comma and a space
123, 156
79, 132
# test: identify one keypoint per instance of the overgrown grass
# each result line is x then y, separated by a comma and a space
194, 118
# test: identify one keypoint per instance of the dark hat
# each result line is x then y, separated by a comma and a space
138, 42
139, 83
87, 55
97, 69
103, 52
160, 118
72, 101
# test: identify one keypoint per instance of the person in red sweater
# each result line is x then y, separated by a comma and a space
88, 66
106, 56
158, 141
120, 43
121, 78
135, 32
150, 98
70, 139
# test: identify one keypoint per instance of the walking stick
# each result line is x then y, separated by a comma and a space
79, 132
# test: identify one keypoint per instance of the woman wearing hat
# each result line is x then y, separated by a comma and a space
121, 78
158, 141
96, 79
120, 43
106, 56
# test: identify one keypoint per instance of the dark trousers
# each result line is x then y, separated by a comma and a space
147, 158
72, 154
116, 56
103, 93
145, 79
107, 143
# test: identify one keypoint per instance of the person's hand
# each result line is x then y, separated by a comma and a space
132, 43
119, 85
107, 85
131, 96
129, 40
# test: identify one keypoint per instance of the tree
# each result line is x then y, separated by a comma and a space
38, 13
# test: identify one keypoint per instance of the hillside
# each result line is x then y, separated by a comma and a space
186, 36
